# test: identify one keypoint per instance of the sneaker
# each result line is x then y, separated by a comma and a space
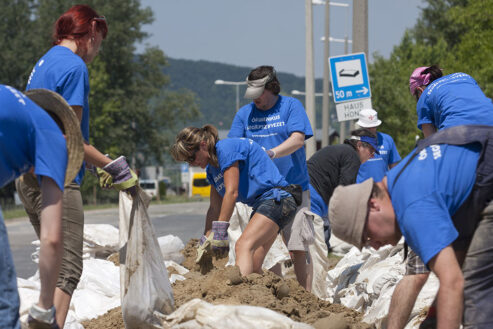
40, 318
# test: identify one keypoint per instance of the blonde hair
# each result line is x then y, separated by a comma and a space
188, 140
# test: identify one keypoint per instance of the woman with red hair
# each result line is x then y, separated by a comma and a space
77, 37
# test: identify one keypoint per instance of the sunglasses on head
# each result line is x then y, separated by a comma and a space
100, 19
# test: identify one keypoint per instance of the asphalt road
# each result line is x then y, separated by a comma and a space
185, 220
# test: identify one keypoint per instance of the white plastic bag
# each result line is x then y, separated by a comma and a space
318, 254
144, 285
197, 314
171, 247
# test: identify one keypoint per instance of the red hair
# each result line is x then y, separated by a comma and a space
75, 24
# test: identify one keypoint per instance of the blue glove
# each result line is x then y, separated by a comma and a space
40, 318
122, 176
220, 241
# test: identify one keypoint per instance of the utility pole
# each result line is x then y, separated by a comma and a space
360, 30
311, 144
325, 97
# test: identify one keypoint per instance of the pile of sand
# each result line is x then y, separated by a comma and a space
224, 285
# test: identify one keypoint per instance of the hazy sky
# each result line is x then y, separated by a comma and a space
257, 32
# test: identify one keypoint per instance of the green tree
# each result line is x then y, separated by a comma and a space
132, 112
456, 35
474, 51
16, 29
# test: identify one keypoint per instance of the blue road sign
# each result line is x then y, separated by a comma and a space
349, 77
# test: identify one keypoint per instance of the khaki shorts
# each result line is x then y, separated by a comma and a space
72, 226
299, 233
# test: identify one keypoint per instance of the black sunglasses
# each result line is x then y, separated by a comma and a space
191, 158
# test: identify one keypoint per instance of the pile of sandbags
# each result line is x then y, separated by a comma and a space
99, 287
365, 280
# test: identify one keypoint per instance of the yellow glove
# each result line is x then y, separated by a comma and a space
123, 178
205, 247
105, 179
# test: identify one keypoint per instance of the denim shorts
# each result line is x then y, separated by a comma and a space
9, 297
280, 212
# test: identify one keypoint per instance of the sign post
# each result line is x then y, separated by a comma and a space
350, 85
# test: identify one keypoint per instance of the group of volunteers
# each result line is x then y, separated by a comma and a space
439, 197
44, 136
263, 164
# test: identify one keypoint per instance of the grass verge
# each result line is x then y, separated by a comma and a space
20, 212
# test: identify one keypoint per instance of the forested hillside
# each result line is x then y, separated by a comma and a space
217, 102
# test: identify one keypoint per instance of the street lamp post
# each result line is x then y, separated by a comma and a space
326, 86
233, 83
311, 146
346, 42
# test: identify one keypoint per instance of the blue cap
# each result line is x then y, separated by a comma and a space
370, 140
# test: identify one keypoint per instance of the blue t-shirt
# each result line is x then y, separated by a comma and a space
378, 166
64, 72
429, 191
258, 174
317, 203
271, 128
29, 137
454, 100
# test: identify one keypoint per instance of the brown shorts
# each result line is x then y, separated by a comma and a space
72, 226
299, 233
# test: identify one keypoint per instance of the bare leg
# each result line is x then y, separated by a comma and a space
260, 253
301, 269
403, 299
62, 304
259, 231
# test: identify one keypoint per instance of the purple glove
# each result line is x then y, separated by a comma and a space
123, 177
202, 240
220, 241
40, 318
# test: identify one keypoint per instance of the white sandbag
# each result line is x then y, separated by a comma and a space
178, 268
339, 247
101, 276
197, 314
278, 253
98, 290
176, 277
344, 273
318, 253
171, 247
365, 281
89, 304
28, 293
100, 240
144, 283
